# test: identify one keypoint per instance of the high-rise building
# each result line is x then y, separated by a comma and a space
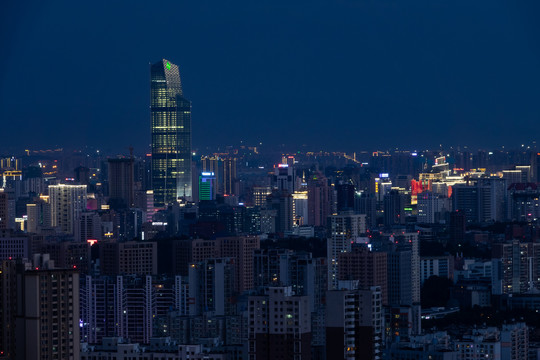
241, 249
121, 184
128, 306
432, 207
283, 178
67, 203
365, 266
518, 266
88, 226
366, 204
492, 196
465, 200
8, 307
403, 264
214, 164
207, 186
344, 229
13, 245
318, 200
39, 215
280, 325
171, 135
457, 226
260, 193
394, 207
524, 202
230, 183
130, 257
4, 210
211, 286
300, 208
47, 322
282, 202
345, 196
354, 323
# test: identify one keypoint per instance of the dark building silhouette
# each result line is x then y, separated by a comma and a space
345, 196
121, 185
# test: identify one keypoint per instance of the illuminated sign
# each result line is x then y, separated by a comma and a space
383, 175
168, 65
205, 173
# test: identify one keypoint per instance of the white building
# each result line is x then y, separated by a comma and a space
67, 203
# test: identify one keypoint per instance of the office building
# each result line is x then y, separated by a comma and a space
283, 178
260, 193
300, 208
214, 165
207, 186
465, 200
171, 135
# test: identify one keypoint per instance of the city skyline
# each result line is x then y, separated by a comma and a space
360, 179
413, 75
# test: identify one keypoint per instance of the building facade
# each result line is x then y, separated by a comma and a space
171, 135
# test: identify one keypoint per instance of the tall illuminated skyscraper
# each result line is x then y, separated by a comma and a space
171, 135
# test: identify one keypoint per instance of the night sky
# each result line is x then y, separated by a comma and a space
336, 75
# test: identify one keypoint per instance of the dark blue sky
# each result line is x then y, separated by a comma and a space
340, 75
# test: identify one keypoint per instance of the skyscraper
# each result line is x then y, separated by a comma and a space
171, 135
207, 186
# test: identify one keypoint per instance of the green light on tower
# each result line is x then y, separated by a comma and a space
168, 65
